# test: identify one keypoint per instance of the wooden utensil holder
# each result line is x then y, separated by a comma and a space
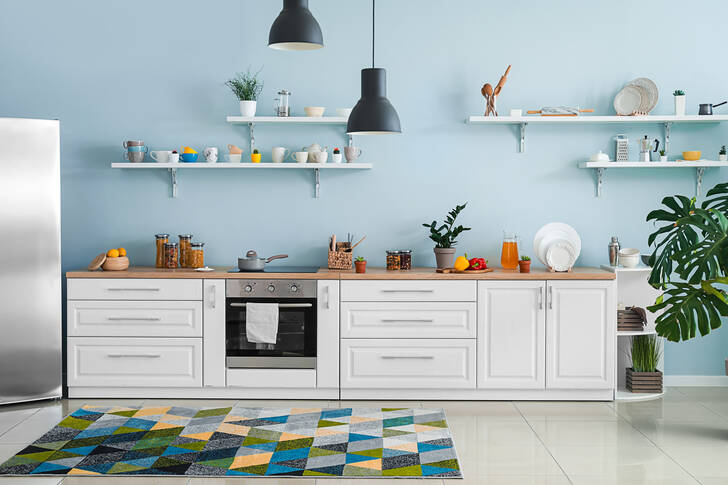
342, 258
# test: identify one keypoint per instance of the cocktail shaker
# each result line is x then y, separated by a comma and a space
614, 251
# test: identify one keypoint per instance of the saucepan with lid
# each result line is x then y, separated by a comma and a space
251, 261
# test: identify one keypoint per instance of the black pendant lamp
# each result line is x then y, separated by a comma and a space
295, 29
373, 114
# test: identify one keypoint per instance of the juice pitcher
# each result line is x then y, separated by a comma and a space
509, 253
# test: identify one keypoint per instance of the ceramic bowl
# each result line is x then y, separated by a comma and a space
116, 264
343, 112
314, 111
629, 257
691, 156
188, 157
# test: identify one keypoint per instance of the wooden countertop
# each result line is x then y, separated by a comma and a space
221, 272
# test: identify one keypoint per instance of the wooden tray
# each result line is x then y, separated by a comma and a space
467, 271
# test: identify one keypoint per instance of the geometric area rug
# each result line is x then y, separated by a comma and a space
241, 441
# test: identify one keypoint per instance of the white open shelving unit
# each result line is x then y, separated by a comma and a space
286, 120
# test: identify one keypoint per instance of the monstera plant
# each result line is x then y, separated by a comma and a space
690, 264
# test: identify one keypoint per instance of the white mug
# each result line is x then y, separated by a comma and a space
279, 154
210, 154
234, 157
300, 157
173, 158
160, 156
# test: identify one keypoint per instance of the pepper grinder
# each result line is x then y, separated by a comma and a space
614, 251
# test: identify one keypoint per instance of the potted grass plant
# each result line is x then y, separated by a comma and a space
679, 96
247, 88
643, 376
524, 265
445, 237
663, 156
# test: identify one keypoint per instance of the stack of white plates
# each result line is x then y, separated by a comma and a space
557, 246
639, 96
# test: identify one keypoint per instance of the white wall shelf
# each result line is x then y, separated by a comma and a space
314, 167
666, 120
699, 166
620, 269
635, 333
286, 120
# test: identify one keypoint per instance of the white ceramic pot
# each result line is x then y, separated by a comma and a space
722, 158
336, 157
663, 158
247, 108
680, 105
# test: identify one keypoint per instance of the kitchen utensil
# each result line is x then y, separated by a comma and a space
549, 233
692, 155
234, 149
599, 157
333, 242
487, 92
502, 82
629, 257
210, 154
251, 261
97, 262
299, 157
358, 243
134, 157
283, 108
278, 154
559, 111
352, 153
160, 156
646, 147
614, 251
234, 157
707, 108
560, 255
189, 157
628, 101
650, 91
140, 148
133, 143
314, 111
622, 149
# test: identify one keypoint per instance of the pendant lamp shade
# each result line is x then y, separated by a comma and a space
373, 114
295, 29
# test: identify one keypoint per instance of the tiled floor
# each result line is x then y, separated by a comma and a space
679, 439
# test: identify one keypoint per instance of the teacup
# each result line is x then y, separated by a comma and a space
234, 157
133, 143
300, 157
234, 149
137, 148
189, 157
352, 153
134, 157
279, 154
210, 154
161, 156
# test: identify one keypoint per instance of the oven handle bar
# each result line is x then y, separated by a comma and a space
280, 305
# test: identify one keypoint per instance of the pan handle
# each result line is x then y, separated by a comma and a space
720, 104
277, 256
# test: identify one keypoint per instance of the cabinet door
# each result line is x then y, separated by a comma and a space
581, 324
511, 334
213, 317
327, 331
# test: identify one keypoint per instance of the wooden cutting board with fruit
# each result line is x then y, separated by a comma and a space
465, 265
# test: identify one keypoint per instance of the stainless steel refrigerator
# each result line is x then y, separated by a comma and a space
30, 260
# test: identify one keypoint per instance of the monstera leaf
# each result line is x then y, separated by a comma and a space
674, 238
687, 308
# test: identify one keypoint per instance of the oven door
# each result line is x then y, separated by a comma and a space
295, 347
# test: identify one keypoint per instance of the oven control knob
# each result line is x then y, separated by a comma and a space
248, 288
271, 288
294, 288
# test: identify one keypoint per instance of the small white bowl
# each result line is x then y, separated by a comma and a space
314, 111
343, 112
629, 257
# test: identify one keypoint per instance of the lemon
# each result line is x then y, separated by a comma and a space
122, 252
462, 263
113, 253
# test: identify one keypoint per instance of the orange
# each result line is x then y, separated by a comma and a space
122, 252
113, 253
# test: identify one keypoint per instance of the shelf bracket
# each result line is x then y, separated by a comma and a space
522, 148
173, 176
666, 145
317, 183
599, 172
699, 180
251, 128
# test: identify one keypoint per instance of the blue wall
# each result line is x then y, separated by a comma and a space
112, 71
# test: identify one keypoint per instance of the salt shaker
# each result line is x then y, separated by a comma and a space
614, 252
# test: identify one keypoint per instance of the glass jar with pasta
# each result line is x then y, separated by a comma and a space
393, 260
196, 256
170, 255
185, 240
162, 239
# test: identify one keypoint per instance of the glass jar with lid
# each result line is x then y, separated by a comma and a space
162, 239
405, 259
393, 260
170, 255
196, 256
185, 240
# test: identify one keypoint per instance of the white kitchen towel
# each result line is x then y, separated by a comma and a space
261, 322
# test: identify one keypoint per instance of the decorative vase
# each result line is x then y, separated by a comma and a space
524, 266
445, 257
644, 382
722, 158
361, 266
247, 108
680, 105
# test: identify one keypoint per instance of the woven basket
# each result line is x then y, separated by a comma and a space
342, 258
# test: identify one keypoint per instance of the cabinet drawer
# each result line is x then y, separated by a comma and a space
408, 320
134, 318
410, 290
134, 362
407, 364
134, 289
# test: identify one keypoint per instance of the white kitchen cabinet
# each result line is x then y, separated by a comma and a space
134, 289
214, 333
327, 335
408, 290
581, 321
511, 334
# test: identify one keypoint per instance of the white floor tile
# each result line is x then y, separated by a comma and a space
508, 460
684, 434
709, 461
712, 481
8, 451
255, 481
470, 431
33, 427
566, 411
281, 403
496, 409
378, 481
85, 480
190, 403
589, 433
30, 480
666, 411
382, 404
509, 480
627, 479
11, 417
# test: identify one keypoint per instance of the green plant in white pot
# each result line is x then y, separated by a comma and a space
247, 88
445, 237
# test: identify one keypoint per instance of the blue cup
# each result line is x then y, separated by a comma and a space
142, 148
188, 157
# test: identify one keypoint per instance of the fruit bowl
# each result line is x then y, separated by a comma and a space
692, 155
116, 264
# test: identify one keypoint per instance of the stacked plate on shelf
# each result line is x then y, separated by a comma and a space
637, 97
557, 246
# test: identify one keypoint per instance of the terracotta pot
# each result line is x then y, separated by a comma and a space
361, 266
445, 257
524, 266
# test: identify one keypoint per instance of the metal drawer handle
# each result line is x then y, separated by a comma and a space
405, 320
135, 319
132, 289
407, 291
133, 356
551, 297
540, 298
414, 357
281, 305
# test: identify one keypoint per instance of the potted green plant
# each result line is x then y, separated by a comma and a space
445, 237
663, 155
679, 95
722, 154
524, 265
361, 264
247, 88
255, 156
643, 376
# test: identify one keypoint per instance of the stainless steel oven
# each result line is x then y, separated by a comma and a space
295, 346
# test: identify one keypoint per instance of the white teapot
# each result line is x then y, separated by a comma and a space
316, 154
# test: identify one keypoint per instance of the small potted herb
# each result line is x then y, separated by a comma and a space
524, 265
643, 376
663, 155
255, 156
361, 264
722, 156
247, 88
445, 237
336, 156
679, 95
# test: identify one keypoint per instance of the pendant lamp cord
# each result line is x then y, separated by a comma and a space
373, 33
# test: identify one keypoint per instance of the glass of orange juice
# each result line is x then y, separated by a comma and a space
509, 253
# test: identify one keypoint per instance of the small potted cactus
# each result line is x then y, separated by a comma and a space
663, 155
524, 265
361, 264
722, 155
679, 95
336, 156
255, 156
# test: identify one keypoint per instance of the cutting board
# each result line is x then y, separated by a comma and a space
467, 271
